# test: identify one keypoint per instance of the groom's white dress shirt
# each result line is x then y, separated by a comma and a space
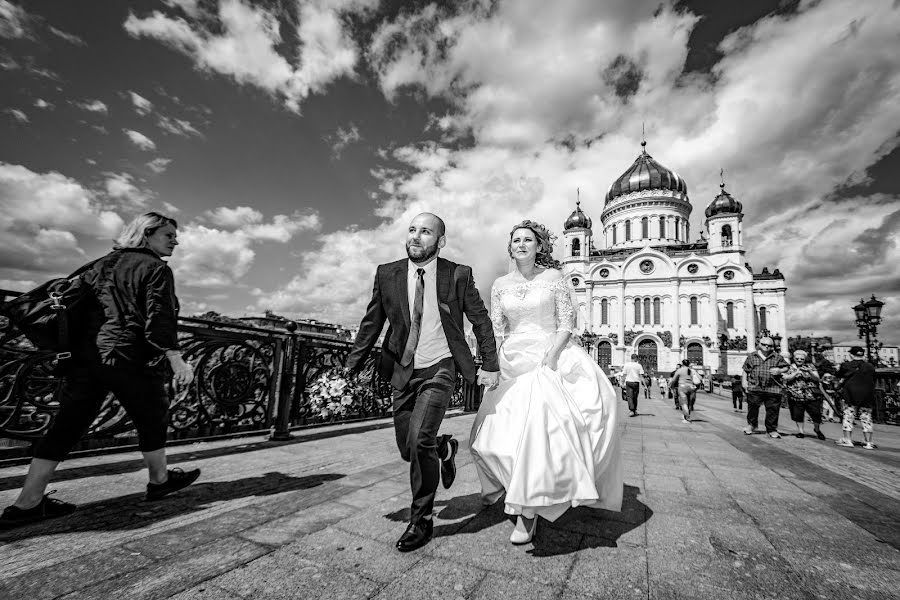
432, 346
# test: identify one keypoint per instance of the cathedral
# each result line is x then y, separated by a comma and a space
644, 288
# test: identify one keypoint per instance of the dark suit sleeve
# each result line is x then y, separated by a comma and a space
369, 329
478, 315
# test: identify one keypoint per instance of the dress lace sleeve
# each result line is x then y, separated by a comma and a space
565, 307
498, 319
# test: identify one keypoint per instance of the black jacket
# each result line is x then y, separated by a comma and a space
457, 295
135, 319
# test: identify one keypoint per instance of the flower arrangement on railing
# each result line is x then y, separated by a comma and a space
335, 396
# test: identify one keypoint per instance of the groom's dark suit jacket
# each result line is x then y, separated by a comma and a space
390, 302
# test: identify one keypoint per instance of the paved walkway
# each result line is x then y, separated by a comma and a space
709, 513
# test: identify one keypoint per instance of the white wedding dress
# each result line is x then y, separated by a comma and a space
549, 439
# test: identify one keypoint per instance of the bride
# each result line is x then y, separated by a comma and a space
548, 435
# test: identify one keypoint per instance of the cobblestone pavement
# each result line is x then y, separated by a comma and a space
708, 513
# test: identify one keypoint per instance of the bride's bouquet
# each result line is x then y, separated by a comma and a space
334, 395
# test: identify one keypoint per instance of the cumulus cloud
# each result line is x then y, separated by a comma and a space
17, 114
121, 187
142, 106
42, 216
799, 105
95, 106
139, 139
342, 138
14, 21
41, 103
221, 254
159, 165
244, 43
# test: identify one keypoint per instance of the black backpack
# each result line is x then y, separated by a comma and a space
44, 315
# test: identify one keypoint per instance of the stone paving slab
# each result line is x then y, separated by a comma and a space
708, 513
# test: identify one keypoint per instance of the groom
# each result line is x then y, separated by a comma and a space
423, 298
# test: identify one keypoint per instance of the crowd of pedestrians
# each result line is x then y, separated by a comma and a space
769, 382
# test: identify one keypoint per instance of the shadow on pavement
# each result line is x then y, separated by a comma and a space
132, 512
599, 528
465, 512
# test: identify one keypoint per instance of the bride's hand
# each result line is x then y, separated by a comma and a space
551, 359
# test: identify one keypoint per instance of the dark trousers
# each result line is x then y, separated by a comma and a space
737, 401
631, 392
419, 408
141, 392
772, 402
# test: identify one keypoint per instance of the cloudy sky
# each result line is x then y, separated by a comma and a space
294, 139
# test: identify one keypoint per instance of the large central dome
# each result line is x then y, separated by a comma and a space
646, 174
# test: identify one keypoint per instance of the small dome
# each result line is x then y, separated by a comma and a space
723, 203
646, 174
578, 219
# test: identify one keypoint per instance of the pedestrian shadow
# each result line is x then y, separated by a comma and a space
585, 527
462, 511
133, 512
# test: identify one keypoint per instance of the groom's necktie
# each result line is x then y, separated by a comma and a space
415, 324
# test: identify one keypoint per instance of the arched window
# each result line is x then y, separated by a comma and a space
694, 310
576, 247
615, 230
687, 231
762, 318
645, 228
627, 231
662, 227
726, 235
677, 228
647, 320
729, 315
604, 312
604, 355
637, 311
656, 312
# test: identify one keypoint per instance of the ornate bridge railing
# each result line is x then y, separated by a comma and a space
247, 379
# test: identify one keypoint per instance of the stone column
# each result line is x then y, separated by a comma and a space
620, 329
714, 305
676, 316
782, 322
749, 317
589, 290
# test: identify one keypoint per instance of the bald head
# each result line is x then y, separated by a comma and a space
424, 238
434, 222
766, 344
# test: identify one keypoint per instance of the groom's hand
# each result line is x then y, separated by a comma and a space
489, 379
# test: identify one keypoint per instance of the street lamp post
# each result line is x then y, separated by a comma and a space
868, 317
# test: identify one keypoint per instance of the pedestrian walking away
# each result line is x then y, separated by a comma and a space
856, 380
127, 345
632, 373
737, 393
684, 384
762, 369
423, 299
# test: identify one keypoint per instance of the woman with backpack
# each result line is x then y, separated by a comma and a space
683, 382
127, 345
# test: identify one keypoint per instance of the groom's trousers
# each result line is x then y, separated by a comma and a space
419, 408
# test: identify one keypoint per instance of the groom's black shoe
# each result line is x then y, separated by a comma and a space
448, 466
416, 535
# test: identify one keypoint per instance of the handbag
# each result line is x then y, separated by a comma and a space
695, 377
